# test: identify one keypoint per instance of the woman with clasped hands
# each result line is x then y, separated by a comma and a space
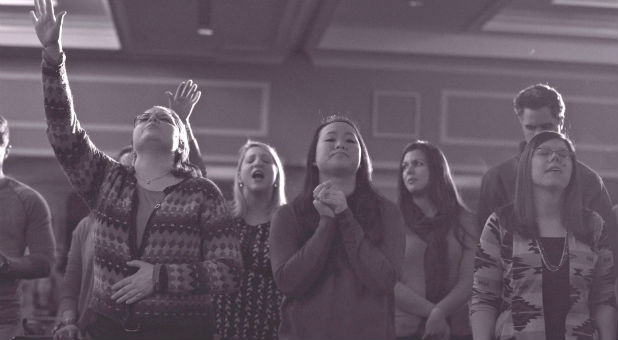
336, 251
543, 268
163, 235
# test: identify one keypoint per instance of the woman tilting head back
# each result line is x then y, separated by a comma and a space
163, 236
337, 249
259, 189
543, 267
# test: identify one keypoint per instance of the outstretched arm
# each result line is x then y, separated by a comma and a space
182, 102
83, 163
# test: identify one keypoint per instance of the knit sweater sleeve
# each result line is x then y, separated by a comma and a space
298, 265
488, 269
377, 266
221, 266
602, 291
71, 283
83, 163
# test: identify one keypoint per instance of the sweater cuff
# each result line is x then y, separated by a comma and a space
159, 278
51, 65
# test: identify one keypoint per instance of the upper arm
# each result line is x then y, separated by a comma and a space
39, 236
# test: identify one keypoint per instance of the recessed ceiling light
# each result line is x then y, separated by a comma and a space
416, 3
205, 31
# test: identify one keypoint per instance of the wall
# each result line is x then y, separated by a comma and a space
462, 105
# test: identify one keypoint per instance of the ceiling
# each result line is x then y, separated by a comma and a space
331, 31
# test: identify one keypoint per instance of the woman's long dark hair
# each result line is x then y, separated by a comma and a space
521, 216
441, 190
364, 201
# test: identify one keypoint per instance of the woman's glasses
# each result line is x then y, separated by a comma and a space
549, 153
161, 117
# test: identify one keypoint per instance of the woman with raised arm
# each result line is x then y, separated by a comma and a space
436, 278
259, 189
76, 285
337, 248
543, 268
163, 238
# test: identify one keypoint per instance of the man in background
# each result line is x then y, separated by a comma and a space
25, 222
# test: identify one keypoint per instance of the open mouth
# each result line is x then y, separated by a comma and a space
257, 174
553, 169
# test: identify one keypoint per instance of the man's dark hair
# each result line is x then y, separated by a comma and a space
539, 96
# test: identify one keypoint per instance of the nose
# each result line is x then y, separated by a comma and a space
340, 145
555, 157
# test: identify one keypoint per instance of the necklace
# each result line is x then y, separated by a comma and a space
565, 254
149, 180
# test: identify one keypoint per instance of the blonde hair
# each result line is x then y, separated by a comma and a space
239, 206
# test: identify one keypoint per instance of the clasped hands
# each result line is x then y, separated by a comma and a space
328, 200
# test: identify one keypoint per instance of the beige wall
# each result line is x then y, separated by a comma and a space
462, 105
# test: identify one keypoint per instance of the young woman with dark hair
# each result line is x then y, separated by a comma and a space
337, 248
259, 189
436, 278
544, 269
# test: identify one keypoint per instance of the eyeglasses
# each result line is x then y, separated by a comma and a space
144, 117
548, 153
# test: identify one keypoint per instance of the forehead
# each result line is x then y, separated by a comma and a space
555, 144
256, 150
339, 128
538, 116
414, 154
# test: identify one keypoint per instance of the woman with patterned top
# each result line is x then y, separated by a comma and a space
436, 277
337, 249
259, 189
543, 268
163, 237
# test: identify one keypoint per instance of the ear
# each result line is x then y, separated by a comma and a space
561, 125
7, 151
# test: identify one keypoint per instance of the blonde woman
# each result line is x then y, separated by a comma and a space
259, 189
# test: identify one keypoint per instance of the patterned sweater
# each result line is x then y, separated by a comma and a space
508, 280
252, 312
189, 238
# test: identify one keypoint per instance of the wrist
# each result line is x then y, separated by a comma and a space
437, 312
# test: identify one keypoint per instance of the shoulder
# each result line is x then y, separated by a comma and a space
507, 168
25, 193
203, 185
587, 175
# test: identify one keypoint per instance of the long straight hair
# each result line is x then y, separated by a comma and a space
364, 201
523, 218
278, 197
441, 189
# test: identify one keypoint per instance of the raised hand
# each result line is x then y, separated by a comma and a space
184, 100
48, 27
